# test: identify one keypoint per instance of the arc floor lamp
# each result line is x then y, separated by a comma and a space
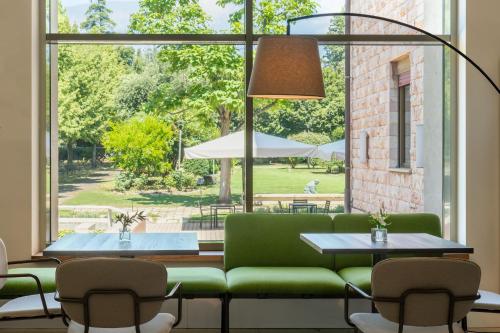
289, 67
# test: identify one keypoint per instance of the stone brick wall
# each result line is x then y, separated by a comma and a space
374, 97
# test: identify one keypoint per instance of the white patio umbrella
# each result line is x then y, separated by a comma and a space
264, 146
330, 150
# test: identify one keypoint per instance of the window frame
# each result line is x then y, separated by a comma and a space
249, 40
402, 130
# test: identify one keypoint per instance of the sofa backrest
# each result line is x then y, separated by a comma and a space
400, 223
264, 240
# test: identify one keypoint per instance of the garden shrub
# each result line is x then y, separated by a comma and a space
197, 167
124, 181
140, 145
181, 180
335, 166
310, 138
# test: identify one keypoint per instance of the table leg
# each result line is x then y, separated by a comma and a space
378, 257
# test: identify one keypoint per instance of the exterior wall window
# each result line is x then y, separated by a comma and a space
404, 125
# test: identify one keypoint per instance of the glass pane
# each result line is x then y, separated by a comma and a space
428, 15
432, 16
270, 16
292, 180
125, 116
375, 110
153, 17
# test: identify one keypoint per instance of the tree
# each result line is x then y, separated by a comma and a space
97, 18
139, 145
137, 87
88, 77
214, 92
213, 74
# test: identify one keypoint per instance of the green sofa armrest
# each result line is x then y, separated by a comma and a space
18, 287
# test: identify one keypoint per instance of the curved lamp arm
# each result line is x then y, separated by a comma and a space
442, 41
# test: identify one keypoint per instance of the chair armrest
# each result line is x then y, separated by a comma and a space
348, 288
38, 286
18, 262
176, 290
352, 287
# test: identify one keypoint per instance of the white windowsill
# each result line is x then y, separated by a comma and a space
400, 170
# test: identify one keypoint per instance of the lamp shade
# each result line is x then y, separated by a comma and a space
287, 67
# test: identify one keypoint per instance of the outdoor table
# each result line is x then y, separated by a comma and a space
141, 244
214, 211
296, 206
407, 243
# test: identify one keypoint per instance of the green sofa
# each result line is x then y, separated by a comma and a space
265, 258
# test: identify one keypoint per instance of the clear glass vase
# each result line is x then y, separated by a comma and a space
125, 234
379, 235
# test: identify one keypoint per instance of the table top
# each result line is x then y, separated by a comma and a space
223, 206
298, 204
340, 243
181, 243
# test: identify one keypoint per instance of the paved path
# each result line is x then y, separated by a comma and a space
94, 180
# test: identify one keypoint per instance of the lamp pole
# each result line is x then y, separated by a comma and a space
409, 26
179, 152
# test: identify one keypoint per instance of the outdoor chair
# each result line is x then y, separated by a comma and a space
39, 305
104, 295
417, 295
203, 215
326, 208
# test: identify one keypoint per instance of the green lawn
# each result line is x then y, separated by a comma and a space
267, 179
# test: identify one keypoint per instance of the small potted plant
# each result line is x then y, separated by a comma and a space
379, 220
126, 220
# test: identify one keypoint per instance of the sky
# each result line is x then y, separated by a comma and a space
220, 16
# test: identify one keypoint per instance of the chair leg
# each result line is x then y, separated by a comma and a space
464, 325
225, 314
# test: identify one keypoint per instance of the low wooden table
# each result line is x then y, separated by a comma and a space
408, 243
142, 244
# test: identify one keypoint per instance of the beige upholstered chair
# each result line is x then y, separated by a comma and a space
39, 305
418, 295
104, 295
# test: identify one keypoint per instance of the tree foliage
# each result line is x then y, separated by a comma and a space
88, 78
140, 145
97, 18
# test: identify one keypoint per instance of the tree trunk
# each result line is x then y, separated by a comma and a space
69, 148
225, 164
94, 156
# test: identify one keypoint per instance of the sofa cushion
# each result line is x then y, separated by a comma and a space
400, 223
16, 287
284, 281
197, 280
273, 240
359, 276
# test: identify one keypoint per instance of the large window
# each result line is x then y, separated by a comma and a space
132, 84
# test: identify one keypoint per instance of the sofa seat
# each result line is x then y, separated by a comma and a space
16, 287
313, 281
197, 280
359, 276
